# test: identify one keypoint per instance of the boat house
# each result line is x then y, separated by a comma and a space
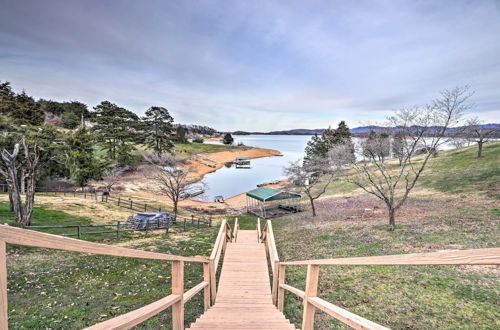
267, 202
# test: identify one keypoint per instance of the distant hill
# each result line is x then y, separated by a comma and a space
363, 130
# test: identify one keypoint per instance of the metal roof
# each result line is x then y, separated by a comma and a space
268, 194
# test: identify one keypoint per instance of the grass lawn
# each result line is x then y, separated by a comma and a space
450, 209
61, 290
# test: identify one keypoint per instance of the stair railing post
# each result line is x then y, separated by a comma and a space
4, 311
206, 290
311, 291
178, 289
213, 283
274, 288
281, 291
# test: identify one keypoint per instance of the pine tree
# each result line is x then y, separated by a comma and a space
115, 127
158, 126
228, 139
81, 162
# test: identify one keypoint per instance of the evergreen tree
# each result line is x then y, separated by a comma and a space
158, 126
20, 108
115, 127
316, 147
228, 139
81, 162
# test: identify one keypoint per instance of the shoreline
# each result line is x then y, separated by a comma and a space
205, 163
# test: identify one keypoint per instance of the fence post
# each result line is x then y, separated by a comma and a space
118, 200
178, 289
198, 226
131, 204
118, 230
206, 290
184, 224
192, 219
274, 287
4, 311
281, 291
210, 221
311, 291
145, 207
79, 232
213, 281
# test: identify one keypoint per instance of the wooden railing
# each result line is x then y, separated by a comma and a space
312, 301
176, 299
225, 235
267, 237
236, 229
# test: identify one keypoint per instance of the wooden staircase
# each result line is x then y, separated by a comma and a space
243, 299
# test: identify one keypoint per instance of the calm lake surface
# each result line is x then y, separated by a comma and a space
232, 181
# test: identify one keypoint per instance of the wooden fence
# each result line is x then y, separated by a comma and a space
176, 300
310, 298
120, 227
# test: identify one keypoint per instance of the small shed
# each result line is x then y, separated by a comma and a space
263, 200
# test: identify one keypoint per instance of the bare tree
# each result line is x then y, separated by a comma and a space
172, 178
111, 177
477, 133
9, 170
29, 166
313, 177
424, 130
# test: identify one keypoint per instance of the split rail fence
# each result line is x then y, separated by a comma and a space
120, 227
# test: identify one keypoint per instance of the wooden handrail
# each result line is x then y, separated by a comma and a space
137, 316
351, 319
259, 234
13, 235
225, 234
489, 256
268, 239
236, 228
177, 299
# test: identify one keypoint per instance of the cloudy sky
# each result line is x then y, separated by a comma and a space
254, 65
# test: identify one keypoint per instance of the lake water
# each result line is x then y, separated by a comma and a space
232, 181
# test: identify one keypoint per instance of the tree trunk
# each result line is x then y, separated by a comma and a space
392, 219
313, 208
175, 210
479, 149
11, 203
23, 181
30, 199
